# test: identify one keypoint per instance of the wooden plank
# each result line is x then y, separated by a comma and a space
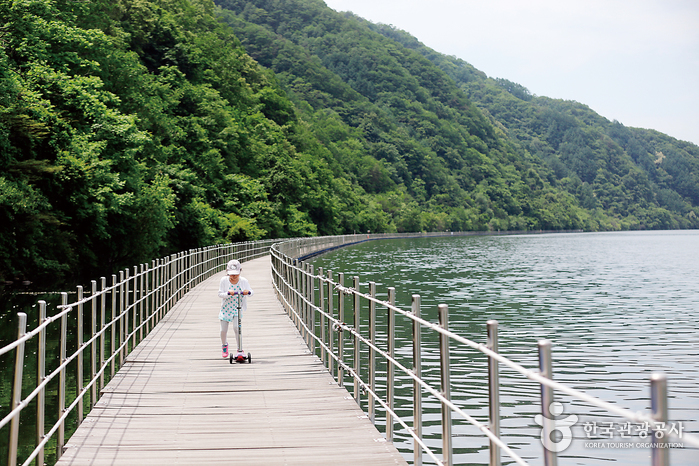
176, 401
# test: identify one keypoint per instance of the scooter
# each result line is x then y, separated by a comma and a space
239, 356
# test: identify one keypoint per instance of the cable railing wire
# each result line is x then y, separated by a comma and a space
339, 326
138, 302
141, 299
292, 277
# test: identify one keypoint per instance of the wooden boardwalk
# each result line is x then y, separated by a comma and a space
176, 401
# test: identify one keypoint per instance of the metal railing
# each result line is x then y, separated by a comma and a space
139, 297
316, 303
120, 316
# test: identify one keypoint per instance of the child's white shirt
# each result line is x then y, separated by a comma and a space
229, 305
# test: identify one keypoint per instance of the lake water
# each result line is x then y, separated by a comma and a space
616, 306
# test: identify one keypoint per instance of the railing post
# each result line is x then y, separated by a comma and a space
127, 294
168, 281
447, 452
171, 294
174, 277
188, 267
331, 337
158, 289
493, 391
17, 390
196, 266
152, 286
390, 370
340, 336
323, 320
302, 290
178, 275
304, 305
134, 309
183, 272
658, 404
172, 280
62, 378
284, 280
545, 368
290, 295
79, 375
165, 284
123, 318
142, 302
417, 389
304, 302
103, 316
162, 285
311, 307
93, 346
113, 333
300, 300
357, 325
295, 285
372, 352
293, 298
161, 281
41, 376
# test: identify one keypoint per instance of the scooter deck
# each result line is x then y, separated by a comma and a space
240, 357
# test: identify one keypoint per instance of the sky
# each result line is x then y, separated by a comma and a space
634, 61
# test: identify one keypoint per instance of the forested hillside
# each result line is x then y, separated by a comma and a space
623, 178
131, 129
427, 153
642, 178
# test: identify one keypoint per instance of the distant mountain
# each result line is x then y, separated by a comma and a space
622, 178
643, 176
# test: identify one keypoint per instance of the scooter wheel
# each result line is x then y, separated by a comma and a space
249, 359
230, 359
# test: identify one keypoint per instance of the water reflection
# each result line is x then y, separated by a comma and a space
617, 306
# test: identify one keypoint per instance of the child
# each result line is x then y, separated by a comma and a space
230, 284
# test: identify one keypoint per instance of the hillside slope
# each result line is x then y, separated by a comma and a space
133, 129
137, 128
621, 177
642, 178
460, 170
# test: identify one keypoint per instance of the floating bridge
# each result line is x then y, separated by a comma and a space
150, 386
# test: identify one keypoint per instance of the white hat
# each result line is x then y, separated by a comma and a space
233, 268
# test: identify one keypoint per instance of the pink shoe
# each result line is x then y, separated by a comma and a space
224, 353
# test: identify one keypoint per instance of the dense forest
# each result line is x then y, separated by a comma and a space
131, 129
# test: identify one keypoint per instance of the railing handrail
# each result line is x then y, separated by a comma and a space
144, 296
396, 363
169, 278
532, 374
291, 281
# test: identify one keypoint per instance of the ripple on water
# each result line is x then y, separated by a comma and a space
616, 306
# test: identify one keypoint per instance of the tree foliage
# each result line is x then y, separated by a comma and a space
136, 128
625, 178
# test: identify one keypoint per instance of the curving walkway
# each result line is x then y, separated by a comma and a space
176, 401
